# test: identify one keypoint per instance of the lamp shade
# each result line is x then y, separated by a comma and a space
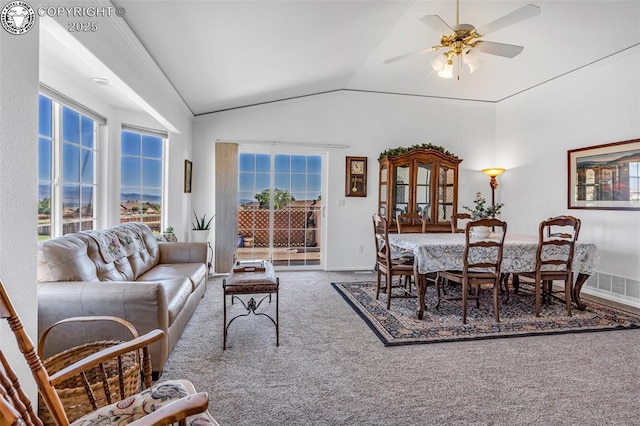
447, 71
493, 172
471, 59
438, 62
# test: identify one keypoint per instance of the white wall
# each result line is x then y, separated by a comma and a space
18, 186
595, 105
368, 123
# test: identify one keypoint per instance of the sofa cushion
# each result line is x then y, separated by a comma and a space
178, 291
79, 257
66, 259
195, 271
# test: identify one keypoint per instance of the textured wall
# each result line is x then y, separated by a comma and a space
18, 179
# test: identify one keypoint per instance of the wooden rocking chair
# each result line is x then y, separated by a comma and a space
173, 401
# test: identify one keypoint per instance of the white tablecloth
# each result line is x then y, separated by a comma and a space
443, 251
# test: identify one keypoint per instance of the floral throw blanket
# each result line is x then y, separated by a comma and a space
117, 242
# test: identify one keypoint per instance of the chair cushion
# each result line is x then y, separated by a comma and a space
252, 282
143, 403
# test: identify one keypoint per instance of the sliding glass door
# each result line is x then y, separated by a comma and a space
280, 208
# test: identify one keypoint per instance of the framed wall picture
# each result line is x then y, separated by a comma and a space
187, 175
356, 177
605, 177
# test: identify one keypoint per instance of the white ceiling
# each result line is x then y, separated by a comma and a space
227, 54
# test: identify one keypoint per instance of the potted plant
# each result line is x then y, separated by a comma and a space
200, 228
481, 211
169, 236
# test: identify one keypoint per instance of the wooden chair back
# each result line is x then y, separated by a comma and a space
490, 264
381, 239
554, 258
455, 222
390, 264
16, 407
386, 258
411, 222
557, 237
482, 263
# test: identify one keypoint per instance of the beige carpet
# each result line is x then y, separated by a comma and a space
330, 369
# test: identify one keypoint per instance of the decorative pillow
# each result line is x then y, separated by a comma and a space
141, 404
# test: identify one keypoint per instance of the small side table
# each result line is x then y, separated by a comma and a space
251, 280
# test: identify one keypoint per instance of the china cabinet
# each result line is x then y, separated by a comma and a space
423, 181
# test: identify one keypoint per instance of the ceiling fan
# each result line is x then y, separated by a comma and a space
463, 40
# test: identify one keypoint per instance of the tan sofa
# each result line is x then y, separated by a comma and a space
120, 271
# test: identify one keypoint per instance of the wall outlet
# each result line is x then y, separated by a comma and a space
360, 248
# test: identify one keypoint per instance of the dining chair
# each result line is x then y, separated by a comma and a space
389, 264
414, 223
411, 222
482, 261
557, 237
168, 402
456, 219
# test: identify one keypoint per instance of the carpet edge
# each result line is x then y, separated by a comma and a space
366, 320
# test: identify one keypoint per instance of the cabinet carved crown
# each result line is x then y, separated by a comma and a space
420, 180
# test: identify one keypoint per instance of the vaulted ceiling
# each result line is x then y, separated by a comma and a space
221, 55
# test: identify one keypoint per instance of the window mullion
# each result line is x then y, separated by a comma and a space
56, 196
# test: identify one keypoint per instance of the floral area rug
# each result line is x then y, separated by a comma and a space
401, 326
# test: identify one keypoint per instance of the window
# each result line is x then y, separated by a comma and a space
590, 185
141, 178
279, 208
67, 153
634, 180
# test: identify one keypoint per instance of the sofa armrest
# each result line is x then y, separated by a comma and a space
144, 304
190, 252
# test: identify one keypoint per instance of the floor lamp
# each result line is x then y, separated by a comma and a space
493, 173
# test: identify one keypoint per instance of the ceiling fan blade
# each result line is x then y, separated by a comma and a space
518, 15
436, 23
499, 49
407, 55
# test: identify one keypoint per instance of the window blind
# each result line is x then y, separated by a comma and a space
145, 131
67, 101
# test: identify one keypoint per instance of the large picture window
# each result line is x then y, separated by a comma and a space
141, 178
67, 153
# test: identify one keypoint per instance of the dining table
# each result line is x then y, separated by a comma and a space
434, 252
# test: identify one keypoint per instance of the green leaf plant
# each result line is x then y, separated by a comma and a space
201, 223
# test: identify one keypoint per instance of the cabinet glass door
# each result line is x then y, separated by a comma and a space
401, 190
423, 190
384, 178
445, 193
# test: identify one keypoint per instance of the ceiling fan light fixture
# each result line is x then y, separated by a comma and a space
473, 67
471, 59
466, 40
438, 63
447, 71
